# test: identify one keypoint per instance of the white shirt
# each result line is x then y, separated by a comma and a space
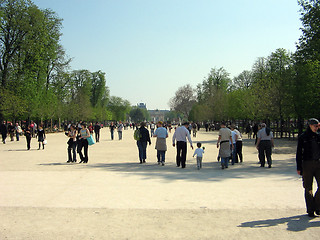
199, 152
181, 134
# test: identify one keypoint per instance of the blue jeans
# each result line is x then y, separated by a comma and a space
120, 135
142, 146
225, 161
161, 156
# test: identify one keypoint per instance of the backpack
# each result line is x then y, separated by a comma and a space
137, 135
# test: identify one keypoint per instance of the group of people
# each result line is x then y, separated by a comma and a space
29, 131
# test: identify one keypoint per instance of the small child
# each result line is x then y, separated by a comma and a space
199, 152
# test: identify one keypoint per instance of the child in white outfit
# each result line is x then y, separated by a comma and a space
199, 152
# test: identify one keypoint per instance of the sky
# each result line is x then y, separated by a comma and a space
150, 48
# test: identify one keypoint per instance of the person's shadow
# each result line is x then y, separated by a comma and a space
295, 224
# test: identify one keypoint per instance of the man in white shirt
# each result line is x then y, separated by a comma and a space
181, 135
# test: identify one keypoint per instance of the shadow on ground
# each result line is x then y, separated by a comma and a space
211, 171
295, 224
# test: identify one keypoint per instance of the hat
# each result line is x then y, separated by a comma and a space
313, 121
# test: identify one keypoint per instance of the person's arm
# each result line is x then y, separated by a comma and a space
299, 156
218, 142
189, 138
174, 139
257, 144
230, 138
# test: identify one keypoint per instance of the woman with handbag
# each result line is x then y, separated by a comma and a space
83, 143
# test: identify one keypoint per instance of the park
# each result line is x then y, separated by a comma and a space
115, 197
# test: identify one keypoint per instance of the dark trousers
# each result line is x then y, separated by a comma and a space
28, 142
239, 151
4, 136
181, 154
112, 135
83, 144
142, 147
311, 169
97, 136
265, 152
161, 155
72, 147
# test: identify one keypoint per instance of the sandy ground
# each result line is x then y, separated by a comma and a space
115, 197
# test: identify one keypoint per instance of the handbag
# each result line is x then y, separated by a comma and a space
45, 142
90, 140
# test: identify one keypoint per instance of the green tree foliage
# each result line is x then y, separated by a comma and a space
183, 100
138, 114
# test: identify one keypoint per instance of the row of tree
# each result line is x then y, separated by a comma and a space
35, 77
281, 86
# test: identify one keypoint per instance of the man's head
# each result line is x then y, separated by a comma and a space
160, 124
313, 124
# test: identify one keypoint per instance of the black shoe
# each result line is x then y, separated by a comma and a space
311, 214
269, 166
261, 165
81, 161
69, 161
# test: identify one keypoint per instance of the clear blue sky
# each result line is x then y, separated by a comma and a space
150, 48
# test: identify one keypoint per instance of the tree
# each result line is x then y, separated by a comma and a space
183, 100
309, 43
119, 108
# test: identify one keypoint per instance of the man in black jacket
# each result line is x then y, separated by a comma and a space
142, 142
308, 164
4, 131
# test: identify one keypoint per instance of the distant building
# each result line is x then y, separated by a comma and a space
158, 115
142, 105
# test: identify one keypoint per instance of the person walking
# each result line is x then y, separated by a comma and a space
28, 134
97, 128
264, 145
11, 130
4, 131
238, 145
224, 138
41, 136
161, 134
142, 142
83, 143
72, 144
112, 127
181, 135
120, 129
18, 131
308, 165
152, 127
199, 153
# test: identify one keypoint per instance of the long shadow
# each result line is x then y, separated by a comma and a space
295, 224
20, 150
211, 171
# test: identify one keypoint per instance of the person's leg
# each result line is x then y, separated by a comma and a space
261, 153
69, 153
79, 150
239, 150
158, 156
144, 151
268, 153
163, 157
17, 136
28, 142
183, 154
178, 157
85, 147
140, 151
74, 146
307, 177
111, 135
317, 194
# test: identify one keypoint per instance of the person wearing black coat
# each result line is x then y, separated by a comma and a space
308, 165
4, 131
142, 142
